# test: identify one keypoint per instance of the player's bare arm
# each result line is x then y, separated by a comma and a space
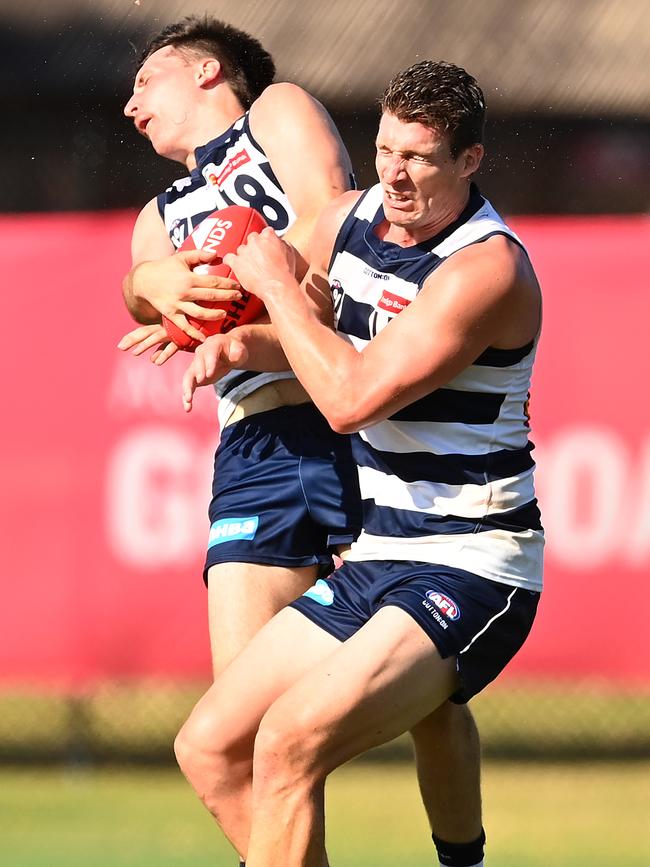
306, 152
255, 346
483, 296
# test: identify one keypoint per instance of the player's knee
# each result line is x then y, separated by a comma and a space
289, 748
208, 753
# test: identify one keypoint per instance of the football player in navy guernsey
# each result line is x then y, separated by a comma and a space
204, 97
427, 364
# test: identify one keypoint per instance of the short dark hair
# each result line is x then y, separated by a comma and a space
441, 96
247, 66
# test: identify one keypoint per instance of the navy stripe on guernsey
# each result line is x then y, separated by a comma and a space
447, 479
445, 404
231, 169
448, 469
384, 521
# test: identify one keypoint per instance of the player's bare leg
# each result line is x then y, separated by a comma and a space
448, 756
379, 683
242, 597
215, 746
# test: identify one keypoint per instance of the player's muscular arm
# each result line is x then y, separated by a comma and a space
481, 297
307, 155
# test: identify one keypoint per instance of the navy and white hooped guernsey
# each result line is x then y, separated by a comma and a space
449, 478
231, 170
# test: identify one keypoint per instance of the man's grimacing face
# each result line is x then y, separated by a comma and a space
419, 176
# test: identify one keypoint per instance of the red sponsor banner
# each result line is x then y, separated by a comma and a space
233, 163
106, 481
392, 303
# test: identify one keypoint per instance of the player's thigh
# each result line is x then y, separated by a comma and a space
242, 597
379, 683
279, 654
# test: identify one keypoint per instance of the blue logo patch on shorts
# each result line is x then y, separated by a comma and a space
321, 592
229, 529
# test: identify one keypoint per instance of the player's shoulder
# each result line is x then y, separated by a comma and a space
282, 93
283, 100
334, 214
339, 208
496, 267
500, 251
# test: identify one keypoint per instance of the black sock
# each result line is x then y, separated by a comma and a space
460, 854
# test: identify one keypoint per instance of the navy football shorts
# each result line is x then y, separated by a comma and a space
480, 622
285, 491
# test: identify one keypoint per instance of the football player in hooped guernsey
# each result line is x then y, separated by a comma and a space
437, 314
285, 489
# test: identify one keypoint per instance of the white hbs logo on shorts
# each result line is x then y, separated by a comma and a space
229, 529
321, 592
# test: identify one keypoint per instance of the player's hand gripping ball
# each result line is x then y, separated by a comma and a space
222, 232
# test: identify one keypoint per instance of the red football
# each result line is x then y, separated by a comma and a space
222, 232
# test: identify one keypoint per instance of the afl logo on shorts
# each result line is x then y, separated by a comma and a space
444, 604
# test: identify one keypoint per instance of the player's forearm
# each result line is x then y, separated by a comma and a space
327, 366
265, 353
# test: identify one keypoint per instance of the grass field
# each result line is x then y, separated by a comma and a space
537, 815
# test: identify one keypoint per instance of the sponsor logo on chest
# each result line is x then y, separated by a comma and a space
392, 303
216, 176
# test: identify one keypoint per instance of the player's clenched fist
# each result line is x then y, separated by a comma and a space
264, 262
213, 359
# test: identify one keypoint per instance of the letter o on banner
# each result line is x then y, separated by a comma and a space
584, 477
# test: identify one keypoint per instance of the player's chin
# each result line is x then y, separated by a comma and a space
400, 209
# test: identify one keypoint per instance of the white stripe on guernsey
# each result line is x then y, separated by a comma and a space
498, 555
484, 222
431, 498
368, 207
442, 438
362, 285
494, 380
491, 621
197, 202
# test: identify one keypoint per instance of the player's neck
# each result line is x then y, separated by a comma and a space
219, 114
409, 235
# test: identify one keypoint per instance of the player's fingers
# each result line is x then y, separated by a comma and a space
132, 338
153, 340
189, 387
181, 322
196, 257
222, 288
237, 352
165, 354
209, 314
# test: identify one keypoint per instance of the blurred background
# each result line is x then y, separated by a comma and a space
105, 483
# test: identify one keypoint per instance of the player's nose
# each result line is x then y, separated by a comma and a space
130, 108
394, 168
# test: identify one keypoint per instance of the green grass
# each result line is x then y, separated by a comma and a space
559, 815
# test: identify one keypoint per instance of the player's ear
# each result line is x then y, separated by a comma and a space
471, 158
208, 71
